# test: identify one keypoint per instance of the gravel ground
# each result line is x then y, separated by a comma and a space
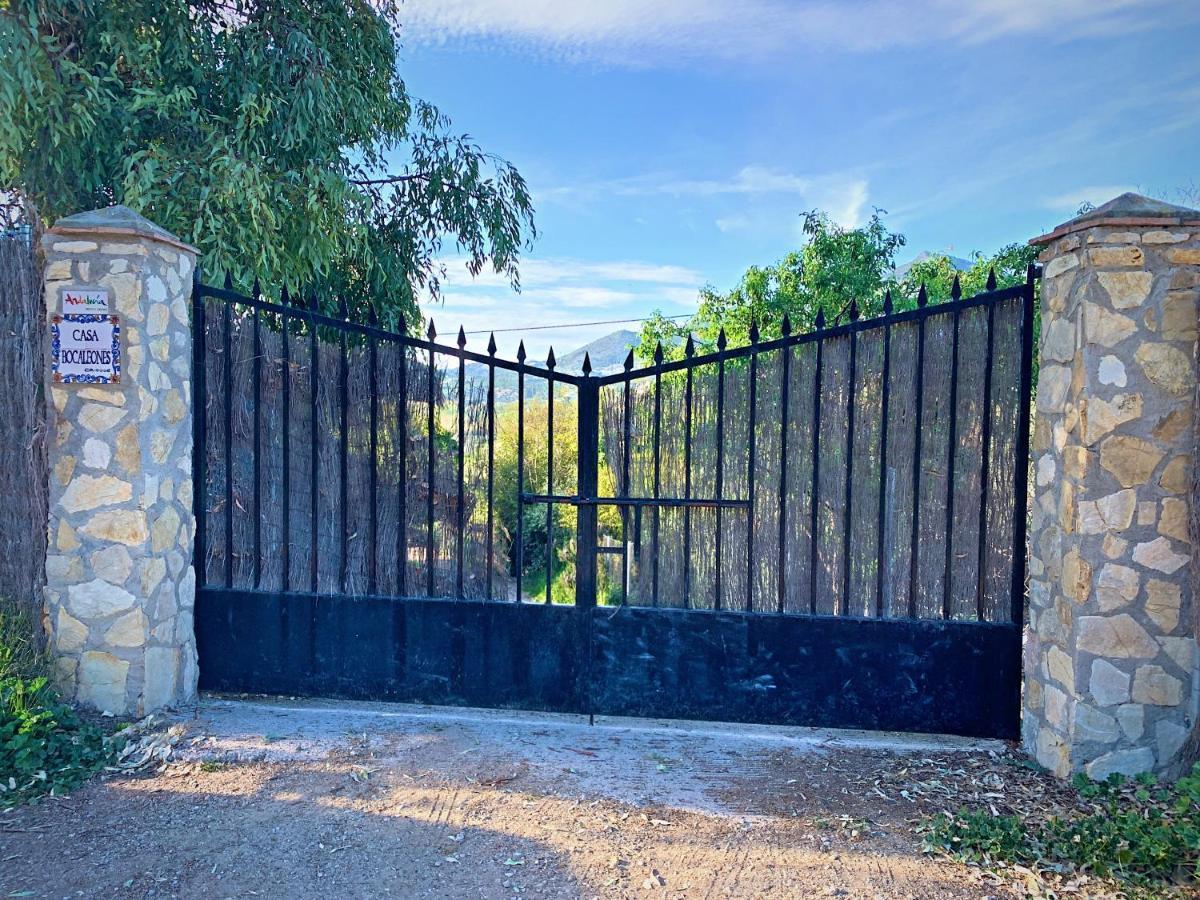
298, 799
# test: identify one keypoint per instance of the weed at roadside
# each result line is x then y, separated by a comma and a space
45, 748
1137, 832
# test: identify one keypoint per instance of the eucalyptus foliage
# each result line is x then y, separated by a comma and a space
274, 135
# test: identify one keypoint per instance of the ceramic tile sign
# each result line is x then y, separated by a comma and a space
85, 348
84, 300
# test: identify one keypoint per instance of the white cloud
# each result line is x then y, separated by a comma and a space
642, 34
748, 181
754, 189
560, 292
1094, 194
735, 222
537, 272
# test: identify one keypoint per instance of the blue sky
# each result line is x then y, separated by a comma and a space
672, 144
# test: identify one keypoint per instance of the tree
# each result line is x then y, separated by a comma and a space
263, 132
937, 273
834, 266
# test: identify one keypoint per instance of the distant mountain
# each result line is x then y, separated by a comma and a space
607, 355
957, 261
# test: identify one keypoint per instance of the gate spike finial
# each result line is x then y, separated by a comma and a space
372, 318
991, 281
521, 352
462, 338
689, 348
658, 354
922, 296
431, 332
785, 327
550, 361
257, 291
887, 302
343, 308
587, 364
820, 317
754, 331
312, 300
284, 299
956, 288
629, 361
401, 325
722, 341
492, 344
853, 310
228, 280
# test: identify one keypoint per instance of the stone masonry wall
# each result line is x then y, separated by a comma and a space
1110, 653
120, 582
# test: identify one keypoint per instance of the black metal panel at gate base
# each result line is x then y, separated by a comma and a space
819, 529
898, 675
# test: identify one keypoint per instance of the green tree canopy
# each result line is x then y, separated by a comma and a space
275, 135
835, 266
937, 273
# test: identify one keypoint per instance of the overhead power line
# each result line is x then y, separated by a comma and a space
578, 324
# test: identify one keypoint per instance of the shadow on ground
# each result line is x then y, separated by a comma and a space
277, 799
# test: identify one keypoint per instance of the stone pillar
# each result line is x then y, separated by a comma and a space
1110, 653
119, 579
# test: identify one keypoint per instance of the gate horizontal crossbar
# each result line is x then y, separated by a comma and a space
665, 502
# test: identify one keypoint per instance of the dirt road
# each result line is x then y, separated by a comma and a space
274, 798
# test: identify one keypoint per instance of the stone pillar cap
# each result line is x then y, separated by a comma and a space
117, 220
1127, 209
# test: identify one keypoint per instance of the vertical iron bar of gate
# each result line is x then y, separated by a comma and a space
373, 497
985, 463
462, 438
814, 519
785, 400
952, 437
721, 343
658, 359
429, 472
918, 398
885, 396
1020, 498
843, 605
491, 494
689, 350
227, 348
343, 494
257, 461
626, 455
520, 466
286, 444
402, 474
199, 429
587, 486
313, 374
549, 474
752, 401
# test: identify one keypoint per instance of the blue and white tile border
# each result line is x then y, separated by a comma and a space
56, 346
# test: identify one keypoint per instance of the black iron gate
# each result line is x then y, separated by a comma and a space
814, 529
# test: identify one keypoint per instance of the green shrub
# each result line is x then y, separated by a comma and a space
45, 748
1136, 831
